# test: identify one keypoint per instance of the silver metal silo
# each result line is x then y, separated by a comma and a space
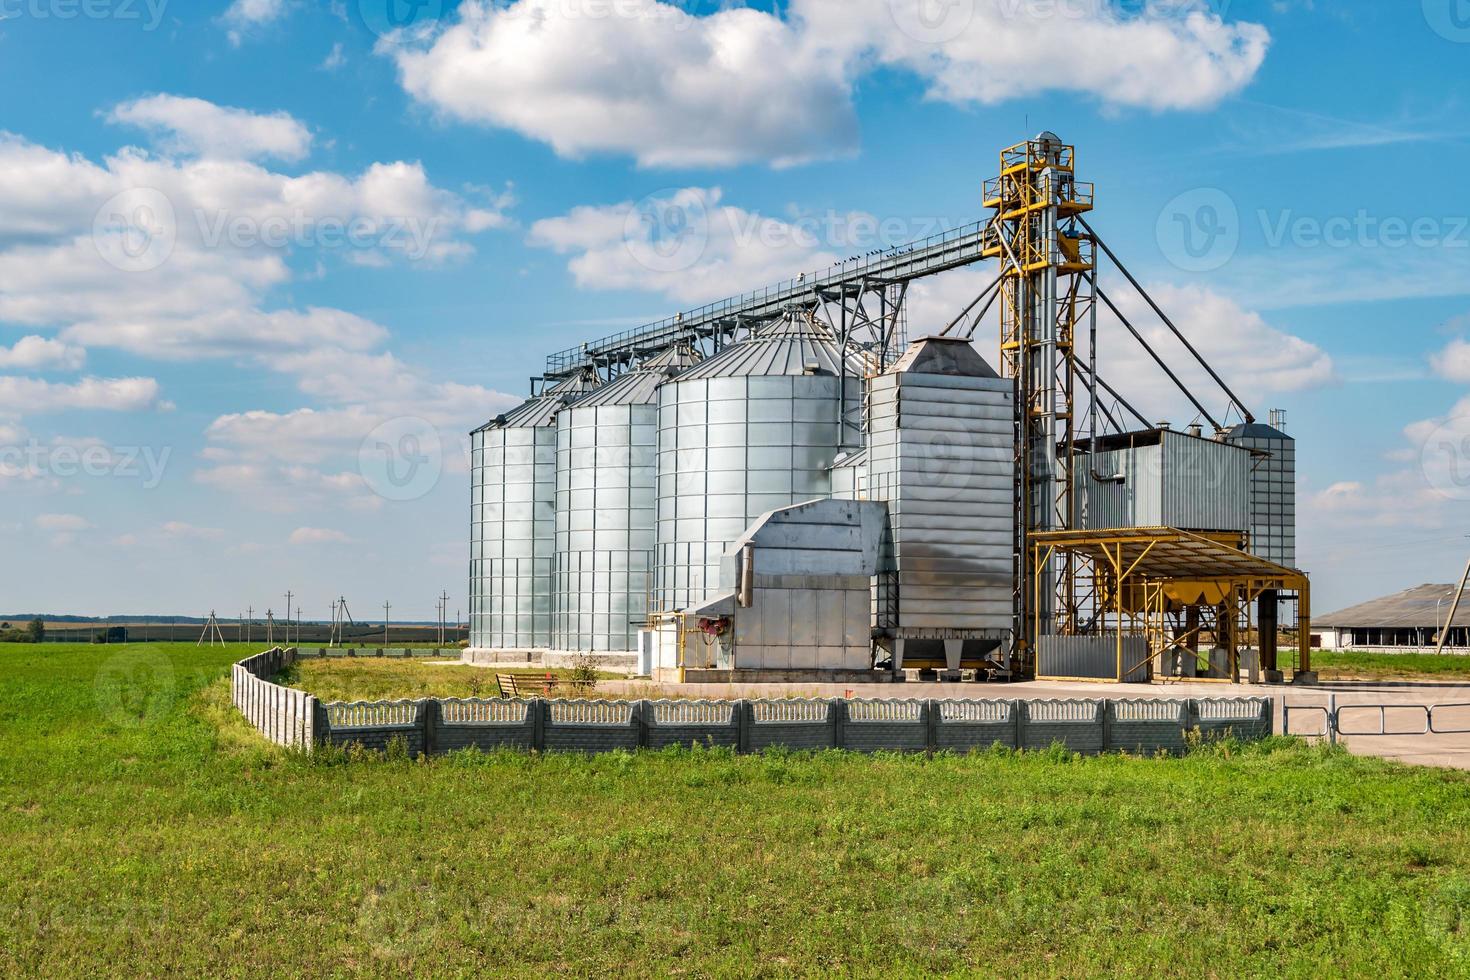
1272, 490
513, 520
606, 464
754, 428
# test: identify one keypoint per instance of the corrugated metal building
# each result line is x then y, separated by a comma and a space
1163, 478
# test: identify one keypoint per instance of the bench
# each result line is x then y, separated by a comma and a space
532, 685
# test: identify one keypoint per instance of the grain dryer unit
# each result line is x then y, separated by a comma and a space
941, 447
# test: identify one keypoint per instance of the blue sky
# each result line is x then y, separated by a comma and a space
191, 420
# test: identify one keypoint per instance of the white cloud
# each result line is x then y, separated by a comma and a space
191, 127
1453, 362
244, 16
180, 529
226, 232
648, 80
62, 522
318, 535
335, 58
35, 396
41, 353
1171, 55
644, 78
685, 244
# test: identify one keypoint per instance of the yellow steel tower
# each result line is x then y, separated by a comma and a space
1048, 290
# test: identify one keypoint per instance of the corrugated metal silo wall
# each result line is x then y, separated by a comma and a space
606, 459
513, 538
1273, 499
941, 453
730, 449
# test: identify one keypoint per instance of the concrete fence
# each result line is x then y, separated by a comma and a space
1090, 727
281, 714
436, 726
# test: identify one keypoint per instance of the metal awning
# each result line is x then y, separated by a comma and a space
1166, 553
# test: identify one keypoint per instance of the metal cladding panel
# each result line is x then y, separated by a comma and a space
1091, 656
941, 453
1205, 485
1273, 491
731, 448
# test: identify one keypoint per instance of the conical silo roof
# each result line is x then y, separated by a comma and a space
640, 386
794, 345
541, 410
953, 356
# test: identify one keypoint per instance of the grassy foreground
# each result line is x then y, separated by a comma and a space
147, 830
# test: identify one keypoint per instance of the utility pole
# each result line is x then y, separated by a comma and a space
298, 625
288, 617
385, 625
270, 628
249, 615
1449, 623
443, 614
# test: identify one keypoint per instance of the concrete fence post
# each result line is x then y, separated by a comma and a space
1105, 709
1191, 715
931, 726
539, 710
642, 715
431, 726
1022, 711
744, 718
1332, 719
837, 717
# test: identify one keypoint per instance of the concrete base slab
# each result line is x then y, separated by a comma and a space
1304, 677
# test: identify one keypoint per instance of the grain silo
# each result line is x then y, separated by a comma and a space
754, 428
606, 464
941, 453
513, 520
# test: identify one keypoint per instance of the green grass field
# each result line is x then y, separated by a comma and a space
386, 679
147, 830
1391, 666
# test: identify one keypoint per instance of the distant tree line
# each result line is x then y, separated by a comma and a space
32, 632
